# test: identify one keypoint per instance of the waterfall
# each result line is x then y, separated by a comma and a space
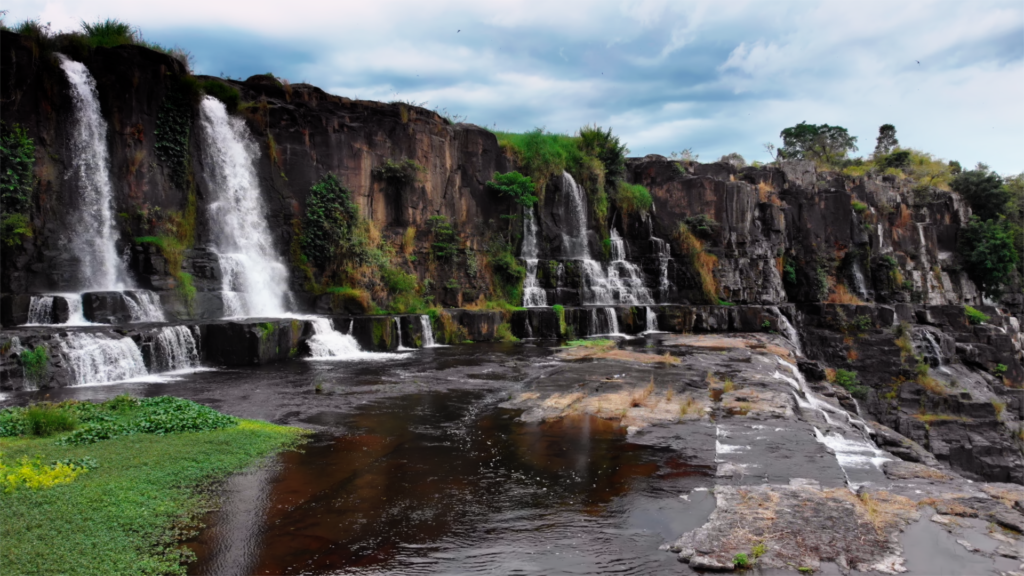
788, 331
97, 359
329, 344
533, 295
241, 236
851, 453
859, 285
92, 227
613, 320
428, 332
175, 348
936, 348
622, 283
40, 310
144, 306
398, 326
652, 320
610, 323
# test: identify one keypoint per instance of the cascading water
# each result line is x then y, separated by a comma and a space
398, 327
651, 320
859, 285
40, 310
622, 283
664, 253
92, 227
428, 332
242, 238
787, 330
175, 348
97, 359
329, 344
144, 306
533, 295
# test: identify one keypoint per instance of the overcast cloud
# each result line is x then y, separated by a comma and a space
717, 77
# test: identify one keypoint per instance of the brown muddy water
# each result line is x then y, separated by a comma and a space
415, 469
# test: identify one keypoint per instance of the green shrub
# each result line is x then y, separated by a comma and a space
513, 184
14, 228
446, 240
45, 420
504, 333
398, 281
984, 192
633, 198
398, 174
741, 560
507, 271
111, 32
17, 156
36, 362
975, 316
159, 415
559, 311
849, 381
224, 92
1000, 369
988, 251
330, 220
541, 154
859, 207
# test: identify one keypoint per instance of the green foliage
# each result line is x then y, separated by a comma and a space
508, 272
984, 192
17, 158
224, 92
758, 550
446, 240
789, 271
520, 188
541, 154
174, 128
266, 329
741, 560
633, 198
398, 174
111, 32
825, 144
596, 343
330, 220
503, 333
36, 362
1000, 369
886, 140
702, 226
186, 289
848, 380
398, 281
975, 316
46, 419
559, 311
988, 253
898, 160
859, 207
159, 415
126, 516
601, 144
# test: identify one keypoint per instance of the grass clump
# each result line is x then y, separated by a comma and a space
633, 199
596, 343
859, 207
32, 474
35, 362
224, 92
741, 561
559, 311
504, 333
975, 316
46, 420
140, 495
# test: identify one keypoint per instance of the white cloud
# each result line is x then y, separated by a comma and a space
665, 74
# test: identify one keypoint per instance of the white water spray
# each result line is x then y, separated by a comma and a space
92, 226
98, 359
242, 238
533, 294
428, 332
175, 348
329, 344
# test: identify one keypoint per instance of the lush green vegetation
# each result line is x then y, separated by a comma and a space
560, 313
398, 174
17, 157
224, 92
516, 186
508, 274
139, 497
446, 239
825, 144
851, 383
990, 252
330, 219
633, 198
975, 316
596, 343
35, 362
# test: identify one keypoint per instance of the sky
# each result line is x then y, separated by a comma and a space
713, 77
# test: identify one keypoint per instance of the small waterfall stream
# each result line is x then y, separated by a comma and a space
144, 306
40, 310
428, 332
176, 348
99, 359
651, 321
398, 327
93, 235
329, 344
242, 238
533, 294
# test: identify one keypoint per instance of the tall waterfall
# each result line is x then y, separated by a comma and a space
533, 295
622, 282
428, 332
92, 227
242, 238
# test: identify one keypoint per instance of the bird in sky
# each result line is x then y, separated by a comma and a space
459, 30
918, 62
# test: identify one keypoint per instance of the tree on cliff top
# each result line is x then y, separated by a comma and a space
822, 143
886, 141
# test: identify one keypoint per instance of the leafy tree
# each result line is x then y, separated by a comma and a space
733, 158
955, 167
988, 252
984, 191
821, 143
516, 185
899, 159
330, 219
17, 158
886, 141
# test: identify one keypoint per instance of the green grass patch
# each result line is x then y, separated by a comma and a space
143, 493
560, 312
596, 343
633, 198
975, 316
504, 333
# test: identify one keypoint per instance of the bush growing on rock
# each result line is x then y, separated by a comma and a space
988, 253
825, 144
